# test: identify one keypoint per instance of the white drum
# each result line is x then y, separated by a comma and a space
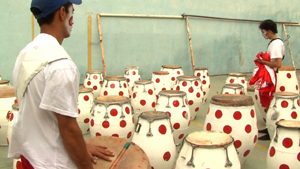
4, 82
232, 89
114, 85
7, 99
202, 73
112, 116
175, 104
153, 134
208, 149
234, 115
11, 116
284, 149
284, 106
132, 75
85, 103
175, 71
287, 80
17, 164
93, 80
192, 86
262, 110
143, 97
161, 81
237, 78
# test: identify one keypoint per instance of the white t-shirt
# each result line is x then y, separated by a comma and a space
35, 132
276, 49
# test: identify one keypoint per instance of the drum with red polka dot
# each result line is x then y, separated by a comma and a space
4, 82
287, 80
93, 80
132, 75
85, 103
161, 81
208, 149
232, 89
234, 115
7, 99
112, 116
262, 110
11, 116
284, 149
17, 164
143, 97
154, 135
114, 85
192, 86
175, 104
202, 73
284, 106
237, 78
175, 71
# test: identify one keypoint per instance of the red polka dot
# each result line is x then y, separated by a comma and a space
177, 88
132, 119
218, 114
208, 110
127, 110
164, 88
167, 156
208, 126
184, 114
114, 112
16, 101
204, 82
11, 117
298, 156
191, 102
197, 109
173, 78
284, 104
87, 120
256, 97
95, 77
272, 151
243, 81
252, 113
176, 126
294, 115
237, 143
162, 129
191, 90
125, 85
175, 103
133, 72
296, 87
95, 87
255, 139
288, 75
112, 86
287, 142
86, 76
169, 113
150, 91
248, 128
198, 95
105, 93
92, 122
282, 88
121, 93
157, 80
178, 72
123, 123
231, 80
128, 80
105, 124
79, 111
204, 92
89, 83
227, 129
134, 95
198, 74
86, 98
129, 135
237, 115
115, 135
196, 83
207, 74
184, 83
100, 82
19, 165
143, 102
298, 102
153, 104
180, 136
266, 110
284, 166
246, 153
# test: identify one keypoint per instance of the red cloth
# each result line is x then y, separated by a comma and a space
25, 163
266, 86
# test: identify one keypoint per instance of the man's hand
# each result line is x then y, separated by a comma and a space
99, 151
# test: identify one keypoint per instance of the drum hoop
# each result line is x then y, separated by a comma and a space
15, 106
281, 126
162, 73
143, 82
131, 67
209, 146
277, 95
234, 86
95, 72
234, 101
150, 119
286, 68
7, 92
111, 103
237, 74
171, 66
85, 90
200, 68
110, 78
179, 93
4, 81
187, 78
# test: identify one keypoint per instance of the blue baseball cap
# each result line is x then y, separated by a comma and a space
49, 6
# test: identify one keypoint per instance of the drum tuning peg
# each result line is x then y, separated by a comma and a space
183, 157
228, 162
274, 115
106, 115
93, 113
276, 136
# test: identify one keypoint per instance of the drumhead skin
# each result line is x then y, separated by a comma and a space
209, 139
171, 66
133, 158
7, 91
237, 74
154, 115
4, 82
161, 72
234, 100
94, 72
200, 68
85, 90
187, 77
286, 68
171, 93
293, 124
287, 94
115, 78
143, 82
111, 99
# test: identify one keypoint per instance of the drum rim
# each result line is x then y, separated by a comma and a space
282, 126
187, 78
171, 66
112, 102
174, 93
233, 86
280, 95
95, 72
143, 82
234, 102
237, 74
166, 116
161, 72
131, 67
286, 68
201, 68
7, 92
4, 81
85, 90
15, 106
114, 78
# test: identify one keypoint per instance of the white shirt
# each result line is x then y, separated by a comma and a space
276, 49
35, 132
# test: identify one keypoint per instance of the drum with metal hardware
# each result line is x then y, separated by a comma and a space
175, 71
161, 81
232, 89
11, 116
237, 78
202, 73
84, 103
114, 85
132, 75
287, 80
93, 80
4, 82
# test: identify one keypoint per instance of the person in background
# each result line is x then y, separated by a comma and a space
46, 133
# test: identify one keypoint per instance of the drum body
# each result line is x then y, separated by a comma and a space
143, 97
284, 106
262, 110
7, 99
234, 115
133, 158
161, 81
112, 116
132, 75
192, 86
85, 103
174, 71
237, 78
202, 73
287, 80
4, 82
17, 164
153, 134
208, 149
284, 149
114, 85
232, 89
11, 115
93, 80
175, 104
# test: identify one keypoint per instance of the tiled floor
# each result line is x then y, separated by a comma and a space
256, 160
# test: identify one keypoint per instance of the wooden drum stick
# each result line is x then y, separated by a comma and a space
120, 155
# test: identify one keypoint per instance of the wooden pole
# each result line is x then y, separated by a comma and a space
287, 38
190, 40
101, 45
89, 43
32, 26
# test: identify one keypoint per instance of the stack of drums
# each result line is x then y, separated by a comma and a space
161, 81
175, 71
7, 99
284, 149
4, 82
287, 80
284, 106
202, 73
232, 89
208, 149
93, 80
143, 97
112, 116
132, 75
153, 134
192, 86
234, 115
175, 104
114, 85
84, 103
237, 78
